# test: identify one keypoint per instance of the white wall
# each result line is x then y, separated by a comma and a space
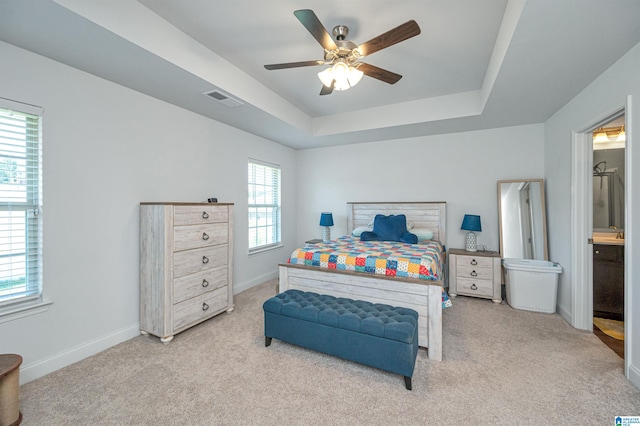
606, 93
107, 148
461, 169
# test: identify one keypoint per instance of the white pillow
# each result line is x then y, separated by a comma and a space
422, 234
359, 230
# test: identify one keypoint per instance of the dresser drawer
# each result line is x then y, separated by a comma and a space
197, 260
198, 308
192, 215
196, 236
196, 284
475, 287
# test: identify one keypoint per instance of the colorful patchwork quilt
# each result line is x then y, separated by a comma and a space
395, 259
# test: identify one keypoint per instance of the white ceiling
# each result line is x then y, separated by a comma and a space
477, 64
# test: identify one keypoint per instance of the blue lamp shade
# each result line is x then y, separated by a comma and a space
326, 220
472, 224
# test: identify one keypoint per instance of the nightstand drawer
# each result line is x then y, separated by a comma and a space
474, 272
471, 287
474, 262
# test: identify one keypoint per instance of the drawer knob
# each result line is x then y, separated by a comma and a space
205, 215
474, 262
205, 259
474, 286
205, 283
205, 236
205, 306
473, 274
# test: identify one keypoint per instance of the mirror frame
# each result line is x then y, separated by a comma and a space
542, 207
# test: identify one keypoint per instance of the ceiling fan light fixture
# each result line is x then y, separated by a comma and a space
345, 76
326, 76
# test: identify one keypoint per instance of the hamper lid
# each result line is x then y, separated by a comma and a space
531, 265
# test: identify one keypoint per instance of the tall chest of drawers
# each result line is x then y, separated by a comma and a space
476, 274
185, 265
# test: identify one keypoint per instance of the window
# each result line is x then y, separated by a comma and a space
20, 201
264, 205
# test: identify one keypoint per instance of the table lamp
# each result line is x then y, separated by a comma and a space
326, 220
472, 224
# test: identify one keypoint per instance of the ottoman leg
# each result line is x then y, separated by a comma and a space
267, 342
407, 382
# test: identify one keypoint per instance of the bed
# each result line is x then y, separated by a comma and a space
423, 295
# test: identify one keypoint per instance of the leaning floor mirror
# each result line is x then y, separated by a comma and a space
522, 217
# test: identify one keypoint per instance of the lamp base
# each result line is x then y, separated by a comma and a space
471, 242
326, 234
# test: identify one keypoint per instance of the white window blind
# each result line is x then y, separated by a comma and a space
264, 205
20, 201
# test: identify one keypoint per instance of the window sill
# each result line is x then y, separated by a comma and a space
266, 249
11, 313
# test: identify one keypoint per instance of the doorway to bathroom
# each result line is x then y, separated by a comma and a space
582, 225
608, 214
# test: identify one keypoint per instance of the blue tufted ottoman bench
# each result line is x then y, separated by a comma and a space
377, 335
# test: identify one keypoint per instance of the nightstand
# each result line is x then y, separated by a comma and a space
475, 273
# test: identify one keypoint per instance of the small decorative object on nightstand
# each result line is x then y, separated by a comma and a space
477, 274
313, 241
472, 224
326, 220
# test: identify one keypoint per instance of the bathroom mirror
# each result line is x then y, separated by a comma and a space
522, 219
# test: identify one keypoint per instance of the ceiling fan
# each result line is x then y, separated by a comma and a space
344, 56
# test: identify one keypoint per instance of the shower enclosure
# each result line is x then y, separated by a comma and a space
608, 197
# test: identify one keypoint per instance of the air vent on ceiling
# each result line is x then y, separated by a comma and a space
223, 98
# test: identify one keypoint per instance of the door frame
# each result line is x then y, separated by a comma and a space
582, 224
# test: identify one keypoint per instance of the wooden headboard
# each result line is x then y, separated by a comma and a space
424, 214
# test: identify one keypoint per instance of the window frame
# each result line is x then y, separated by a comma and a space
272, 210
32, 300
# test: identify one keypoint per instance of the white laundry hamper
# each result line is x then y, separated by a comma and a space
532, 285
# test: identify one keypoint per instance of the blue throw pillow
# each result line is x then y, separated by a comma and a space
368, 236
390, 228
409, 238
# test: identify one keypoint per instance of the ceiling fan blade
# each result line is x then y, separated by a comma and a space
311, 22
293, 65
379, 73
400, 33
327, 90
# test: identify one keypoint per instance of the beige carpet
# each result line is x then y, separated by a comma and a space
611, 328
501, 366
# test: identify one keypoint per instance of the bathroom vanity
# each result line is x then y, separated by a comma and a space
608, 281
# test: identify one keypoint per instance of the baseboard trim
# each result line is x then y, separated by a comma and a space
564, 314
48, 365
633, 375
246, 285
